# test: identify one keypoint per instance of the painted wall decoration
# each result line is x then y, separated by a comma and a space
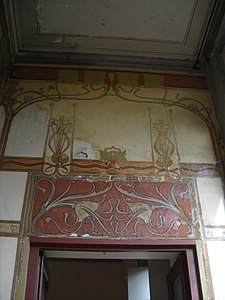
113, 154
111, 160
58, 153
151, 127
70, 207
165, 154
9, 228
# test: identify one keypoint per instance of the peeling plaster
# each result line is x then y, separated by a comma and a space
83, 150
28, 132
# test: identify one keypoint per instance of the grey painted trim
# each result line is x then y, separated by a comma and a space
123, 62
216, 82
103, 61
220, 39
211, 40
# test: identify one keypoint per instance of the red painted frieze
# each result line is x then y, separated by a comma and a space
62, 206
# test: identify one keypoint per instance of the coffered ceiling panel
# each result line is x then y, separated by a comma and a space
62, 31
122, 19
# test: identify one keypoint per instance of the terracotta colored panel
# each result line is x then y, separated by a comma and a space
185, 81
34, 73
111, 209
94, 76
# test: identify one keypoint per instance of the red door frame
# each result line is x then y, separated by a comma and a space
38, 244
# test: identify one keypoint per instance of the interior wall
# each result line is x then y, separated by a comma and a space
89, 280
215, 76
104, 279
5, 59
8, 246
158, 278
87, 153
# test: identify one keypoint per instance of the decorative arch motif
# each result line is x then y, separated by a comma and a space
63, 162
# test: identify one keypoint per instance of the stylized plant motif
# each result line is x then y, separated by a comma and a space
58, 145
117, 207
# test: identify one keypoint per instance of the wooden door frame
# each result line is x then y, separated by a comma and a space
38, 244
179, 269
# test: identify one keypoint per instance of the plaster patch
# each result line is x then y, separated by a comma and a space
27, 133
194, 141
214, 232
212, 201
12, 187
83, 150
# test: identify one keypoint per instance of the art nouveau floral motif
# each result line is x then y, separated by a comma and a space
163, 160
111, 209
164, 149
58, 147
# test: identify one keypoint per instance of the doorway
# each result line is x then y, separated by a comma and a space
100, 271
94, 274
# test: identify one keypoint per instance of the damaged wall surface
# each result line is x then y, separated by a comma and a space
109, 159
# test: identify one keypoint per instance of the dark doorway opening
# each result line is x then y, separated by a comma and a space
98, 270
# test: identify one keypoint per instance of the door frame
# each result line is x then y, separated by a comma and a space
39, 244
179, 270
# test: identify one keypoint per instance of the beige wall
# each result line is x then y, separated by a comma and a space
96, 117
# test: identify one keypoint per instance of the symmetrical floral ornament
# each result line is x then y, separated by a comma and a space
111, 209
58, 154
113, 157
20, 95
112, 154
165, 153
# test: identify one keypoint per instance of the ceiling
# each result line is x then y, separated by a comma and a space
124, 34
